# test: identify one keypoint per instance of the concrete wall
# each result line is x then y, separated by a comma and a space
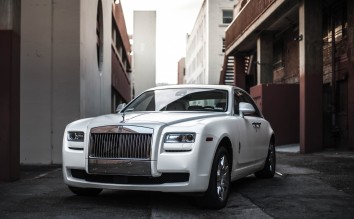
144, 58
60, 80
95, 83
50, 77
10, 15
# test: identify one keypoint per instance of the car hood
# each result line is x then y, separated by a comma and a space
168, 118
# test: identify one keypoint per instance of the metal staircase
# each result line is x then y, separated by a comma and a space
229, 78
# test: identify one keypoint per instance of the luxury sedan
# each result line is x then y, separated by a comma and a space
186, 138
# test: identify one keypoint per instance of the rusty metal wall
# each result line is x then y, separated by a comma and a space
279, 104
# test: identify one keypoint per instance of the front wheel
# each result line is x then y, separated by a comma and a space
85, 191
219, 182
268, 170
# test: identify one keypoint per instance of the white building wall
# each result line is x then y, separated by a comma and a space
196, 50
213, 33
207, 37
59, 81
144, 51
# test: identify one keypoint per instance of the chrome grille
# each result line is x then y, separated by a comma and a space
120, 145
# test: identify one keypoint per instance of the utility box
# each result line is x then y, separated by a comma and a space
280, 104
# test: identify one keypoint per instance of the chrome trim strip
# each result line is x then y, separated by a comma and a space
122, 129
119, 167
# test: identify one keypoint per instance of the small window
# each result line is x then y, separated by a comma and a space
227, 16
223, 44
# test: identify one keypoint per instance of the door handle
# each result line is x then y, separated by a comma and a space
256, 124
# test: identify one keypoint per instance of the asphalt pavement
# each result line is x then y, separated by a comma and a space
319, 185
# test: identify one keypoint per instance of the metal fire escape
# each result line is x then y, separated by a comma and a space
229, 78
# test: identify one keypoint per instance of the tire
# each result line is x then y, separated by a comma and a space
268, 170
219, 182
85, 191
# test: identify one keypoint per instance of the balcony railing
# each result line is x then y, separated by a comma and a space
247, 16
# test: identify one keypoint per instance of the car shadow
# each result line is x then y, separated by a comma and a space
146, 200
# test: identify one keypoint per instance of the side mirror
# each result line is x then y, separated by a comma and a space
246, 108
120, 107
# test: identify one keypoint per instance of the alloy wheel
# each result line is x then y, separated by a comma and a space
222, 177
271, 157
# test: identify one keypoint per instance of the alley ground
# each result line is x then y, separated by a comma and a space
319, 185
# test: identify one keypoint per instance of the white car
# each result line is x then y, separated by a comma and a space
183, 138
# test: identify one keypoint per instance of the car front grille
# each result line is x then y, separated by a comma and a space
120, 146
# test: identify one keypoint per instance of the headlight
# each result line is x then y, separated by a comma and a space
180, 138
76, 136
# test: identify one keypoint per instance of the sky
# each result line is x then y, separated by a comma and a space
174, 19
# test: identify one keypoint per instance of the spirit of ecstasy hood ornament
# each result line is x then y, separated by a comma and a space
123, 117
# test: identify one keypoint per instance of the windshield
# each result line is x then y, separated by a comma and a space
180, 99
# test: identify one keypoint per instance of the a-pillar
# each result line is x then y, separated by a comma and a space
9, 89
240, 76
350, 53
265, 58
311, 75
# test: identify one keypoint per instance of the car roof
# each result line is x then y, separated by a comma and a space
223, 87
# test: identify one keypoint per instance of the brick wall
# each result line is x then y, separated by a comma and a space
288, 73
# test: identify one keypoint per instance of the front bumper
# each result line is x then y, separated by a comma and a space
172, 180
173, 172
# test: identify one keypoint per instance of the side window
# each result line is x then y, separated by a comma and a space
241, 96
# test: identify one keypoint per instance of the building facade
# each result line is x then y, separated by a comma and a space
144, 49
307, 45
181, 71
205, 44
74, 61
121, 59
